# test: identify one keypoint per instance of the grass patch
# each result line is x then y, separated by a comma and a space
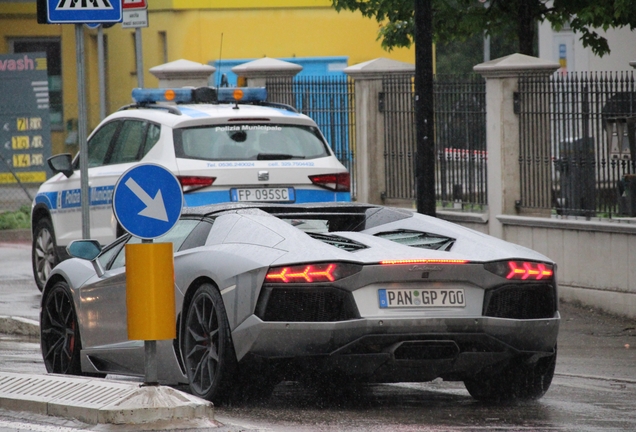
16, 220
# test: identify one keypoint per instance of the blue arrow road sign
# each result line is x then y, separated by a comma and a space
147, 201
83, 11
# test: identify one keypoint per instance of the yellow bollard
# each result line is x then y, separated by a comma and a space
150, 299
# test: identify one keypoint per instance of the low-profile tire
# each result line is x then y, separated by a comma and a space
43, 252
514, 382
59, 332
208, 353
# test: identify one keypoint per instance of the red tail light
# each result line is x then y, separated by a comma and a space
528, 270
424, 261
521, 270
191, 183
308, 273
340, 182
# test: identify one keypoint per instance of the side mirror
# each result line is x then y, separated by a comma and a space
88, 250
61, 163
84, 249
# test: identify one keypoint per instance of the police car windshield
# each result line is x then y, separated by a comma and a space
249, 142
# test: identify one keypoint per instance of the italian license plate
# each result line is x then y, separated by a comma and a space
418, 298
263, 194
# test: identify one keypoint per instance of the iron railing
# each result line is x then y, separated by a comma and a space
397, 104
577, 143
329, 101
460, 139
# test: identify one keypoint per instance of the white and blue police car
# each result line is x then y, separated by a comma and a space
222, 144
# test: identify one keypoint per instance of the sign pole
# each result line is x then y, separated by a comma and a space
140, 58
82, 130
150, 354
147, 202
101, 66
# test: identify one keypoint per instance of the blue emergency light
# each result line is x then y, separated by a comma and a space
200, 95
142, 95
242, 94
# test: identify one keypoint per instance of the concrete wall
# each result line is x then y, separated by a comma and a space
596, 260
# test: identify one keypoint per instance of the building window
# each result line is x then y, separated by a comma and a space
53, 50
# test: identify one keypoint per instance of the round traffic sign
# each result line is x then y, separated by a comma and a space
147, 201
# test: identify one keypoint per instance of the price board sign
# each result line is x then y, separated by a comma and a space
25, 135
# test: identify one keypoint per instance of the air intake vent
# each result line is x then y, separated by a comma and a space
418, 239
316, 304
337, 241
521, 302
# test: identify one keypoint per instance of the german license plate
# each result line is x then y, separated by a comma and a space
286, 194
418, 298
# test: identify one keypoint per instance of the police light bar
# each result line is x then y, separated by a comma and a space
200, 95
141, 95
242, 94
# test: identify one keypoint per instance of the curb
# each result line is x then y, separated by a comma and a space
13, 325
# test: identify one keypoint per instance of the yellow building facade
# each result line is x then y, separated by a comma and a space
202, 31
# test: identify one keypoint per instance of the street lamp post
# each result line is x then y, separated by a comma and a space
424, 113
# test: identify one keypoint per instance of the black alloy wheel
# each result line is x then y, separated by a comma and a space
207, 346
59, 334
43, 253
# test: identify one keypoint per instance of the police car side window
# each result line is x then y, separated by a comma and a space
99, 144
152, 136
128, 142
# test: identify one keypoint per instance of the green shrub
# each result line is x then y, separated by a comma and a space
17, 219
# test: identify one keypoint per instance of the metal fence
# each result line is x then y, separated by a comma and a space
329, 101
578, 143
397, 103
460, 139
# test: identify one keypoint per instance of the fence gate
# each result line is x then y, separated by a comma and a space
329, 101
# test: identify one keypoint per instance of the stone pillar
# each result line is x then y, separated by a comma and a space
369, 152
502, 131
258, 71
182, 73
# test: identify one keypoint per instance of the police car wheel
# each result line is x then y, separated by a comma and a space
43, 252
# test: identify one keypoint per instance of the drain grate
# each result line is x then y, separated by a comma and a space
88, 392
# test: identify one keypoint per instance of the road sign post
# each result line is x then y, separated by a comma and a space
147, 201
135, 15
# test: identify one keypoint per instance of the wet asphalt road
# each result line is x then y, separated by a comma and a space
594, 388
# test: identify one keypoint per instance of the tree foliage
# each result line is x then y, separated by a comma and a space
458, 20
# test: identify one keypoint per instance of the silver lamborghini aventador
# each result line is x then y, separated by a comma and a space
346, 293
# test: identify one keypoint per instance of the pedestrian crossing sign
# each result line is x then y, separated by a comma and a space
84, 11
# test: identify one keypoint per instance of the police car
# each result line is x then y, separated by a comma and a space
223, 145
